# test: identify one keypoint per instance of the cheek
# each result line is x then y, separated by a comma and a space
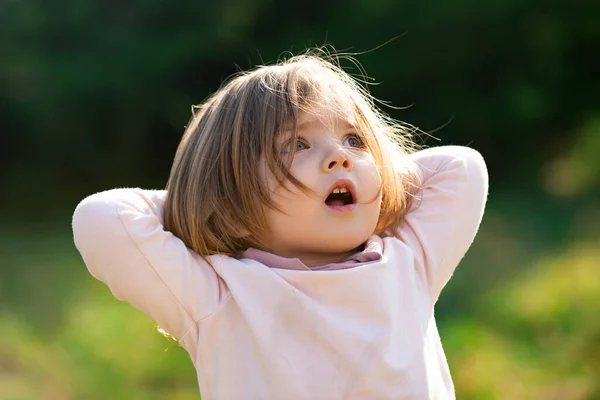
371, 174
373, 186
282, 198
290, 203
376, 179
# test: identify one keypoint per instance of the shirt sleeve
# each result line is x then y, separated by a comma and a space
446, 213
120, 236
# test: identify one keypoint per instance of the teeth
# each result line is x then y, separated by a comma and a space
340, 190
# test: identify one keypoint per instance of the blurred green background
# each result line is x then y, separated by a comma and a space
95, 95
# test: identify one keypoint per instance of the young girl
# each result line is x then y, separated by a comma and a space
300, 246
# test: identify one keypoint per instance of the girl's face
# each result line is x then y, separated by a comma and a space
329, 224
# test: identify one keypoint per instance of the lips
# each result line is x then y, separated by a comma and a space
341, 195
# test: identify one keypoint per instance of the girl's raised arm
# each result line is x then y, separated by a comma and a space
445, 217
120, 236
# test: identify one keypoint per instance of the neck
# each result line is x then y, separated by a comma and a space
317, 259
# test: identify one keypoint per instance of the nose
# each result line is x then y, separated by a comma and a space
336, 158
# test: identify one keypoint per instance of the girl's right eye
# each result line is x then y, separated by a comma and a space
300, 145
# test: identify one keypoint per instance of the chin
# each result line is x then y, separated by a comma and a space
346, 244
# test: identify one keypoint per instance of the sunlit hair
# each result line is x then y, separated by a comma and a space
215, 190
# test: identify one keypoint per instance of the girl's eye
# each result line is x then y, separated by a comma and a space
353, 141
299, 146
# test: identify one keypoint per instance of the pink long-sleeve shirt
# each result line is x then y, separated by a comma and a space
265, 327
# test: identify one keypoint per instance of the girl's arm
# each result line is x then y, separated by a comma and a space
446, 214
120, 236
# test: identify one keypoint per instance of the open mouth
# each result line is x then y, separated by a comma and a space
342, 196
339, 197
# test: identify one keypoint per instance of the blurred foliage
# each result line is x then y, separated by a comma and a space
63, 335
96, 94
537, 337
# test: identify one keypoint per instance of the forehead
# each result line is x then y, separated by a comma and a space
310, 122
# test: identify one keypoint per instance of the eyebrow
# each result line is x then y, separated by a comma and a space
314, 121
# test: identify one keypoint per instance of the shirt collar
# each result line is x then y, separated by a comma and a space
372, 251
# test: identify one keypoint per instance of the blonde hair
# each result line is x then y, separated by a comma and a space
215, 191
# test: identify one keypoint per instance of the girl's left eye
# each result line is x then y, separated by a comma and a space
353, 141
